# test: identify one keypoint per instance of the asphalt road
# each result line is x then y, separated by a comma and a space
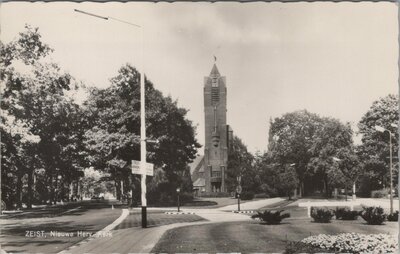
49, 230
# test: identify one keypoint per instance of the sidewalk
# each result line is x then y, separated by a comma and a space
142, 240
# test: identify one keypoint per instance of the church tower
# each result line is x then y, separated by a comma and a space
216, 132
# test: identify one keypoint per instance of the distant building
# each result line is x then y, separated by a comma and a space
210, 171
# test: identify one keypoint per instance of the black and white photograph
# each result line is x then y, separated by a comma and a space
199, 127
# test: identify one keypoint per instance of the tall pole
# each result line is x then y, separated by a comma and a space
142, 114
391, 173
398, 83
143, 137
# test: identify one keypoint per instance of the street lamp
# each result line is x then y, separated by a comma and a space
178, 190
239, 189
381, 129
142, 115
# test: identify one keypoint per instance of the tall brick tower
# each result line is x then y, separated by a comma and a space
216, 132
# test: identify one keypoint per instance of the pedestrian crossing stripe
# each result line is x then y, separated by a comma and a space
179, 213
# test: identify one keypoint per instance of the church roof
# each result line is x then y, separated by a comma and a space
196, 164
201, 182
214, 72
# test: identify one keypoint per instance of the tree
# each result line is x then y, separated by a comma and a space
240, 163
349, 165
374, 150
287, 180
38, 100
113, 140
290, 141
330, 137
308, 143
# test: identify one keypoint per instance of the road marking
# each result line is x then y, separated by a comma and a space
179, 213
243, 211
124, 214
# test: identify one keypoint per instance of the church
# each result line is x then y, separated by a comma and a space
209, 171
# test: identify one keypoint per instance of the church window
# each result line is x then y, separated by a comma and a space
214, 82
215, 95
216, 174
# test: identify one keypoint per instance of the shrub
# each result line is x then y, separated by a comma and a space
393, 217
345, 214
215, 195
300, 247
380, 193
321, 215
185, 197
247, 195
270, 217
262, 195
373, 215
354, 243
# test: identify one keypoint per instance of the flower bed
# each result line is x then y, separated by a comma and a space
354, 243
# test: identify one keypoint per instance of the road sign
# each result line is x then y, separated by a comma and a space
239, 189
136, 168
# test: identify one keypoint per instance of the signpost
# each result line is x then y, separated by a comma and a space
136, 168
142, 168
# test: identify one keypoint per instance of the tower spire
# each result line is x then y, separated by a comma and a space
214, 72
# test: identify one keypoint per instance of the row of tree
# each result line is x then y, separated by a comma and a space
309, 153
48, 139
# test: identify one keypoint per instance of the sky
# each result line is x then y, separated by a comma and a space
333, 59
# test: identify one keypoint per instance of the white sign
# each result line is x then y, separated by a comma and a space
136, 168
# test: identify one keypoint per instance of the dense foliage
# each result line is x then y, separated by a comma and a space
41, 125
48, 139
373, 215
240, 164
113, 140
321, 215
393, 217
374, 151
302, 146
271, 217
345, 214
354, 243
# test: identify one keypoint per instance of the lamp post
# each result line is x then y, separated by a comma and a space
142, 115
178, 190
239, 189
381, 129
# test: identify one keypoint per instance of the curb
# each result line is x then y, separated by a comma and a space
243, 211
179, 213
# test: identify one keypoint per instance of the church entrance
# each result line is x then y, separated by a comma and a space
216, 187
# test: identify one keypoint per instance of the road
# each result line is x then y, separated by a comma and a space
137, 240
46, 230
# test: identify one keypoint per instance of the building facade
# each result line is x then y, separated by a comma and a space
210, 173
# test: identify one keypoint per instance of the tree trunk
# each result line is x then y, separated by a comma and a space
118, 189
326, 187
52, 191
301, 189
30, 188
19, 191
